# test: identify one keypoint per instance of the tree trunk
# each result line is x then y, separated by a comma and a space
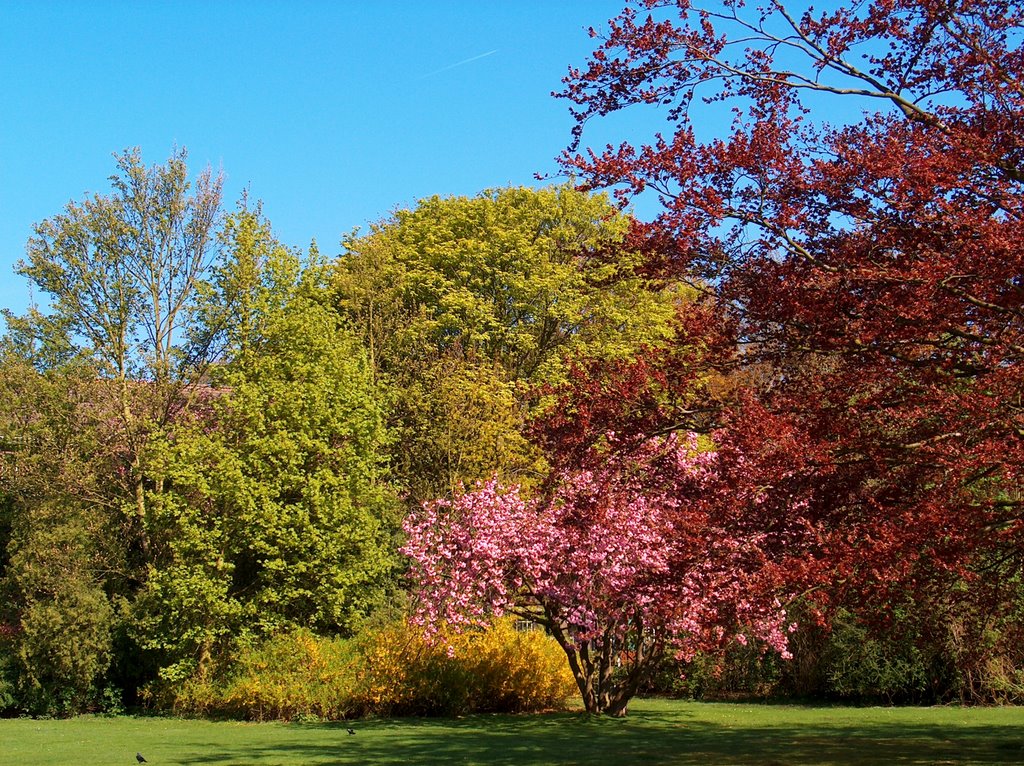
600, 693
136, 463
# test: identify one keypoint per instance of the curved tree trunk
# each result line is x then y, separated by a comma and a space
593, 663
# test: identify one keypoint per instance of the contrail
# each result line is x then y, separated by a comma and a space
457, 63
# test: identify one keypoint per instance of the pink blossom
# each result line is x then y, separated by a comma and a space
654, 539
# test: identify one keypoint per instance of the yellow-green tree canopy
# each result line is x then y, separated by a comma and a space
514, 276
464, 303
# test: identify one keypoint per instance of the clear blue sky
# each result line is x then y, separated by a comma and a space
332, 113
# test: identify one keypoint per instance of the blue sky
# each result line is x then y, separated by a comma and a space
332, 113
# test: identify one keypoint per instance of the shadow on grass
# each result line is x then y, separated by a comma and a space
646, 737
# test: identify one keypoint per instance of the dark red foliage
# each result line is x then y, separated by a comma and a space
872, 259
666, 389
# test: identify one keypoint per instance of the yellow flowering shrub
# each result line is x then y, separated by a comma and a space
290, 676
388, 670
515, 671
492, 670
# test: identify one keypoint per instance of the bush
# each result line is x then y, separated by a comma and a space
290, 676
739, 671
63, 650
861, 666
388, 670
56, 619
517, 671
846, 660
8, 670
493, 670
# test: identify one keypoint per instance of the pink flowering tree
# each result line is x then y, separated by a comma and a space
645, 552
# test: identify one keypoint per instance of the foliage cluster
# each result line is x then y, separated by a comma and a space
853, 659
210, 439
390, 669
466, 304
867, 260
289, 676
671, 568
494, 669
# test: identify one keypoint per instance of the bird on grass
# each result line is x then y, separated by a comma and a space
351, 730
139, 758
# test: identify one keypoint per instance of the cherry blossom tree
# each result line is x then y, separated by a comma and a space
641, 552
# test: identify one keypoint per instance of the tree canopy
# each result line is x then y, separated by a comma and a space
870, 263
621, 562
466, 303
515, 276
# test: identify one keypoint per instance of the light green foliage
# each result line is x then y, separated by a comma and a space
122, 269
304, 433
250, 286
456, 422
509, 276
274, 511
121, 274
40, 341
464, 303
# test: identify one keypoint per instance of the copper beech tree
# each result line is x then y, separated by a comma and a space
855, 360
860, 222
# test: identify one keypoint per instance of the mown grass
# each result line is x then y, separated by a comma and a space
656, 732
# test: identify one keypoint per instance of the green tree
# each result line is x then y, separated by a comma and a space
511, 276
275, 512
463, 303
60, 526
122, 272
84, 387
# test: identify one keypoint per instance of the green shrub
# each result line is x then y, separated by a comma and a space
8, 670
738, 671
846, 660
57, 619
862, 666
982, 656
63, 650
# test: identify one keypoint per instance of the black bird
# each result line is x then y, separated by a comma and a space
139, 758
351, 731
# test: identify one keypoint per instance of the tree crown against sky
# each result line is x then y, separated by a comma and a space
871, 263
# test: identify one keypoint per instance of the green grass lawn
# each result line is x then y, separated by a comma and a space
656, 732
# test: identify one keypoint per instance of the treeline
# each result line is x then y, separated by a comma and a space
209, 439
